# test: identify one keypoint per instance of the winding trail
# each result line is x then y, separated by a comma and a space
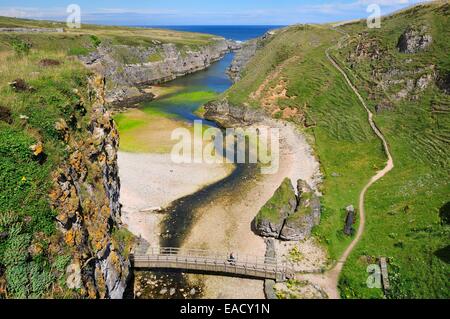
329, 280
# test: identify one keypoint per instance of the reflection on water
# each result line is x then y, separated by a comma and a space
193, 90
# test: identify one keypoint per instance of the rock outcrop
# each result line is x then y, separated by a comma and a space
86, 197
129, 69
227, 115
241, 58
299, 225
245, 54
414, 39
270, 220
287, 216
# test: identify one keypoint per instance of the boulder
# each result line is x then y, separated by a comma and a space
271, 217
350, 220
443, 82
5, 115
414, 39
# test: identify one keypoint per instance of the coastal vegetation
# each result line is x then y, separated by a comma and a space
149, 128
59, 186
403, 219
46, 108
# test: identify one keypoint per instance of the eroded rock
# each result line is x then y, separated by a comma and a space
299, 225
287, 216
270, 219
414, 39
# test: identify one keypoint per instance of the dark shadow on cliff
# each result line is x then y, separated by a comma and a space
443, 254
444, 213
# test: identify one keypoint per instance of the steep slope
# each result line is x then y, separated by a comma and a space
291, 78
60, 229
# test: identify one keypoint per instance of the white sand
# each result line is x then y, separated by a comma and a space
224, 225
152, 181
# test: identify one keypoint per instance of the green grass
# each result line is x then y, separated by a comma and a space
96, 34
279, 202
155, 57
25, 180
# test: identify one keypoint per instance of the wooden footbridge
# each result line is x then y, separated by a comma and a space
210, 262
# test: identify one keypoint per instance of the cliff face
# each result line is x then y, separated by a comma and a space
86, 197
228, 115
246, 52
128, 69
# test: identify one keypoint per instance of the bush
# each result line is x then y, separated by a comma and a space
78, 51
16, 250
20, 46
95, 41
17, 278
61, 262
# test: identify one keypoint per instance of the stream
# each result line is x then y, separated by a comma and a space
178, 103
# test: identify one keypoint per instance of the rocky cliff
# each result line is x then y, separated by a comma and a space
228, 115
86, 197
245, 53
130, 69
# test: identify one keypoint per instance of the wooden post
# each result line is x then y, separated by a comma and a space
384, 273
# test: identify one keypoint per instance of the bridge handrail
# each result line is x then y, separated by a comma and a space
209, 257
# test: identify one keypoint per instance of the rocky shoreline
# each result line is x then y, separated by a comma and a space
302, 252
129, 70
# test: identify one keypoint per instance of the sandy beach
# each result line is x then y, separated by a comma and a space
152, 181
224, 224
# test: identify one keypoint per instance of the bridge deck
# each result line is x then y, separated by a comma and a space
201, 260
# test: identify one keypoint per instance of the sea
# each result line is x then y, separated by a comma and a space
232, 32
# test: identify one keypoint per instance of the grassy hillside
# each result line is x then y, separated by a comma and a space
29, 117
292, 79
51, 84
118, 35
405, 208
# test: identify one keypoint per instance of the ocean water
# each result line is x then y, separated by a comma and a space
233, 32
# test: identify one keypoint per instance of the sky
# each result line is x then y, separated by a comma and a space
201, 12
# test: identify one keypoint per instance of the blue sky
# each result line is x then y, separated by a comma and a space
201, 12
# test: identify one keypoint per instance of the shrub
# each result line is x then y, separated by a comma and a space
5, 115
61, 262
78, 51
17, 278
16, 251
20, 46
95, 41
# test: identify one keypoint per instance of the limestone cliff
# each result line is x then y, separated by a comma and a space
86, 197
245, 53
129, 69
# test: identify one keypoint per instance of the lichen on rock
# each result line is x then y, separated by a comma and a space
86, 197
287, 216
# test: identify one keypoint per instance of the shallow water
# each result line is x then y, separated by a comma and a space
179, 101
